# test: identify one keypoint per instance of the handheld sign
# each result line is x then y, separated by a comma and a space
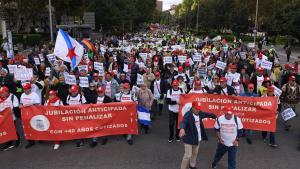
144, 56
99, 66
47, 72
288, 114
41, 56
167, 60
197, 57
140, 79
181, 59
37, 61
266, 65
83, 67
23, 74
221, 65
12, 68
83, 82
51, 58
125, 69
70, 79
277, 91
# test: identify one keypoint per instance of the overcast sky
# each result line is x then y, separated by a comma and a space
168, 3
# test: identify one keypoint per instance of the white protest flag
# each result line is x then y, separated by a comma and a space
68, 49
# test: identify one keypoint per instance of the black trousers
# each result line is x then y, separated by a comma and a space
173, 122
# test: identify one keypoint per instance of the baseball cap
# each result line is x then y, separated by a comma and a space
175, 83
228, 110
223, 79
259, 69
52, 92
3, 89
196, 105
157, 74
292, 78
74, 88
266, 79
180, 68
96, 74
26, 86
100, 89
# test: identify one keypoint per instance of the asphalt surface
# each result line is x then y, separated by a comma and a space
152, 151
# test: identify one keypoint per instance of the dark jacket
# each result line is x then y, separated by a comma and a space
230, 90
90, 96
163, 87
105, 100
62, 91
188, 124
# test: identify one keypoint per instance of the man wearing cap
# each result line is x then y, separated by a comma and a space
250, 93
257, 78
228, 131
285, 74
76, 98
183, 75
111, 86
192, 131
9, 101
197, 88
172, 99
126, 96
290, 96
223, 88
123, 78
100, 99
159, 88
29, 98
232, 76
54, 100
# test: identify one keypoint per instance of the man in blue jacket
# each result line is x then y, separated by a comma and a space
192, 131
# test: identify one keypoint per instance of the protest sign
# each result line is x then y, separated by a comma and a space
288, 114
37, 61
51, 58
83, 67
83, 81
197, 57
125, 68
144, 56
78, 122
181, 59
266, 64
256, 113
221, 65
12, 68
47, 72
7, 127
23, 74
70, 79
140, 79
211, 66
251, 45
277, 91
202, 72
99, 66
167, 60
243, 55
41, 56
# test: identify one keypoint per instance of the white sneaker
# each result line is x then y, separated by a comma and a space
56, 146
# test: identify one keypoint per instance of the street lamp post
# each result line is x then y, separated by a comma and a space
255, 26
50, 20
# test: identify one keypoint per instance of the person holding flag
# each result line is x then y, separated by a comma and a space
145, 100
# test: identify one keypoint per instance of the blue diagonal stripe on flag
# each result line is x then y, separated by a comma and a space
143, 115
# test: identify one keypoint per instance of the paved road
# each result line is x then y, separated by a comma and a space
152, 151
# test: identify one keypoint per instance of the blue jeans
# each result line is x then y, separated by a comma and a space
221, 150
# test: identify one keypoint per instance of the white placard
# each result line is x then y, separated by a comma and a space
83, 67
83, 81
221, 65
168, 59
41, 56
243, 55
99, 66
12, 68
47, 72
144, 56
23, 74
140, 79
288, 114
251, 45
182, 59
125, 69
266, 65
202, 72
51, 58
277, 91
37, 61
197, 57
70, 79
211, 66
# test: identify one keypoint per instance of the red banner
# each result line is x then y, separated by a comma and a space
76, 122
7, 127
256, 113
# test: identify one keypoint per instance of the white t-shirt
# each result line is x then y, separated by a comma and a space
108, 89
175, 96
232, 77
75, 100
202, 90
36, 90
197, 124
224, 91
260, 80
100, 99
9, 103
228, 129
29, 99
57, 103
156, 89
